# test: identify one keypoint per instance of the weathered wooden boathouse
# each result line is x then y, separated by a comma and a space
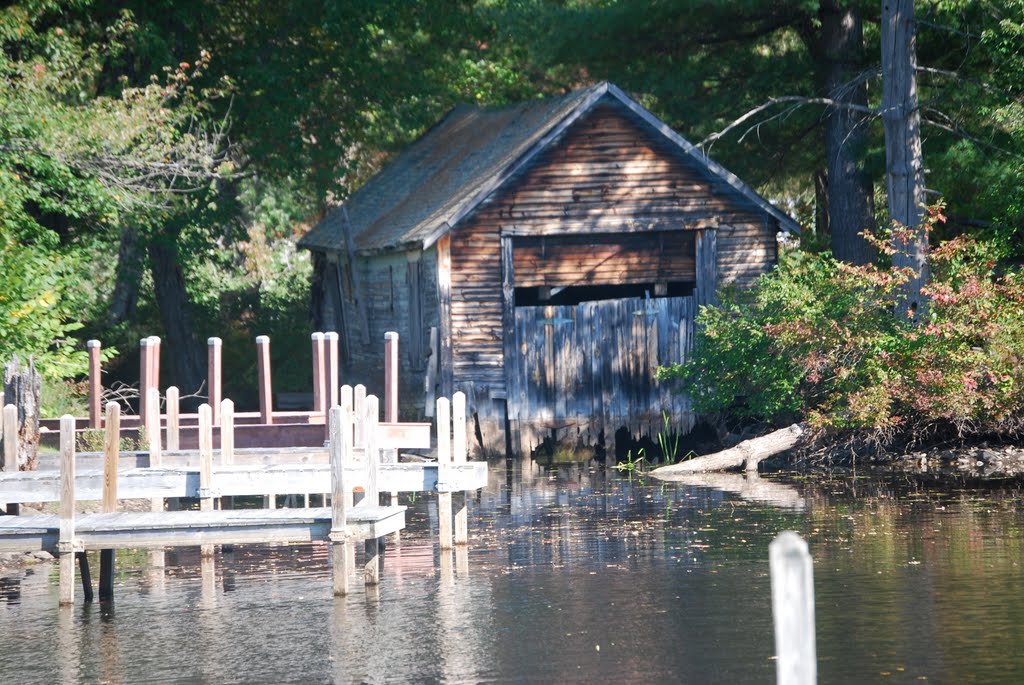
544, 258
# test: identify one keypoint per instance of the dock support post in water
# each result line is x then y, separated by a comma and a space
793, 610
95, 383
9, 458
111, 454
459, 457
264, 378
340, 432
391, 369
66, 537
444, 458
206, 493
371, 421
319, 373
214, 350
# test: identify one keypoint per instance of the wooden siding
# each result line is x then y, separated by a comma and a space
608, 174
385, 285
603, 259
590, 368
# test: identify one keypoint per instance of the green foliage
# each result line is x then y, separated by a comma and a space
817, 340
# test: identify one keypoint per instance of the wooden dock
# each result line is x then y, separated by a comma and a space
352, 461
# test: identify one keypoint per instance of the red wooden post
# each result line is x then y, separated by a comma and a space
331, 366
144, 370
95, 384
213, 376
319, 381
263, 364
391, 377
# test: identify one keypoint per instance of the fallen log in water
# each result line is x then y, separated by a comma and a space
748, 454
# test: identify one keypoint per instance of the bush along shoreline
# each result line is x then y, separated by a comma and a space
821, 342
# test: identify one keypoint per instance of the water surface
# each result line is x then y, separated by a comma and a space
571, 575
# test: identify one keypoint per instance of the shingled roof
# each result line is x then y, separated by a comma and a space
446, 173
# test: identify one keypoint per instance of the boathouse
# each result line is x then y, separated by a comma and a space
545, 259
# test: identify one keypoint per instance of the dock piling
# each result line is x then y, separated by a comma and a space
10, 454
444, 458
214, 350
265, 389
331, 367
95, 384
205, 467
173, 412
111, 455
340, 445
66, 535
319, 375
792, 577
459, 457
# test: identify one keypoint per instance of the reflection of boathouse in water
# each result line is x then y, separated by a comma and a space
559, 250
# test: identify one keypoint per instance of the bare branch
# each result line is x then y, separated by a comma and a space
797, 100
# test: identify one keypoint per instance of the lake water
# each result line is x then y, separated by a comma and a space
571, 575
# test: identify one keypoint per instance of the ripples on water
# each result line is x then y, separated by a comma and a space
571, 575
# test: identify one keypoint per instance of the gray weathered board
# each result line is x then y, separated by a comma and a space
596, 363
174, 481
186, 528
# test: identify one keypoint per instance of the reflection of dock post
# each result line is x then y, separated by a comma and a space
340, 453
459, 457
793, 610
66, 539
111, 454
444, 457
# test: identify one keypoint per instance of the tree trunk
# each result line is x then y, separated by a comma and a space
904, 167
850, 192
187, 356
22, 387
748, 454
126, 283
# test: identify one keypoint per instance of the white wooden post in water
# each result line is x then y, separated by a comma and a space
459, 457
319, 373
354, 428
372, 497
227, 432
111, 455
95, 383
264, 379
66, 535
793, 610
173, 412
10, 454
214, 348
340, 444
444, 458
206, 493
